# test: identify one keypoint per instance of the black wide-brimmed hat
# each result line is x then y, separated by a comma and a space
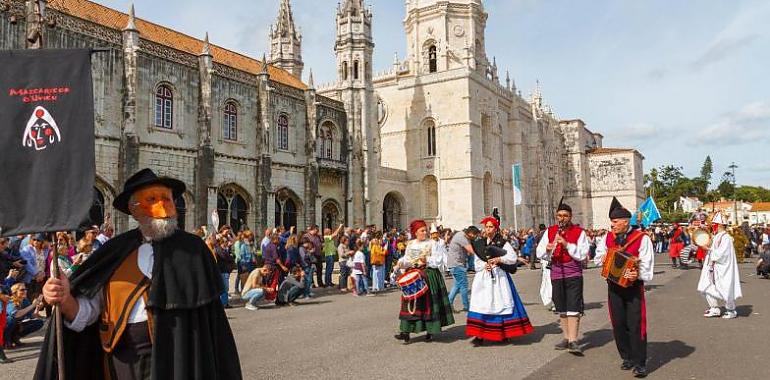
145, 177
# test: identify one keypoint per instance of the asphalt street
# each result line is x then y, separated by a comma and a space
340, 336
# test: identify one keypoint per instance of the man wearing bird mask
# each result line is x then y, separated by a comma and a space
146, 304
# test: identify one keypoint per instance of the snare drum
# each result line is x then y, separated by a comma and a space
412, 284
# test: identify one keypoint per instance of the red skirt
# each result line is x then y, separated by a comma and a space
701, 254
674, 249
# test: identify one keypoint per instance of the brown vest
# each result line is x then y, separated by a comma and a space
121, 293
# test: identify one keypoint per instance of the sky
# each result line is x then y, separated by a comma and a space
676, 80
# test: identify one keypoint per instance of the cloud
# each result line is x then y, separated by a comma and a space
634, 134
744, 126
722, 48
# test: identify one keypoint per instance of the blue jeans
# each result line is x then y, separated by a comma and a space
253, 296
225, 297
308, 280
329, 269
471, 263
361, 284
460, 274
378, 277
344, 273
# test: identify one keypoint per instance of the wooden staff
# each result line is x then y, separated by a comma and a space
55, 272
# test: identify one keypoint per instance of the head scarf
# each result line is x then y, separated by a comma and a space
416, 225
491, 219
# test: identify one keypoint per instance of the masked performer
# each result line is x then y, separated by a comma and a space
719, 279
496, 312
146, 304
566, 246
430, 311
628, 311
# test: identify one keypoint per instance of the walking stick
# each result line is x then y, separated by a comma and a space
55, 272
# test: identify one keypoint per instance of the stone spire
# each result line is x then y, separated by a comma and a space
286, 42
206, 47
310, 81
131, 25
352, 6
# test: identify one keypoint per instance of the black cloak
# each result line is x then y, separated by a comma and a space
193, 339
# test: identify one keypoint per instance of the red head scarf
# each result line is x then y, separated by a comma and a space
416, 225
491, 219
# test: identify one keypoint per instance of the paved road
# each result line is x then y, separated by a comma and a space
340, 336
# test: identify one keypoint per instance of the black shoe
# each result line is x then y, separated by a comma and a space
4, 359
428, 338
640, 371
627, 365
477, 342
574, 349
403, 336
228, 307
563, 345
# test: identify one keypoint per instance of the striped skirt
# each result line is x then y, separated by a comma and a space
498, 327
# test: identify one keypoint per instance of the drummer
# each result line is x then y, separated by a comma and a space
628, 310
431, 311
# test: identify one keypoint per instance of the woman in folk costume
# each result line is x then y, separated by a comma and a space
676, 245
719, 278
431, 311
496, 312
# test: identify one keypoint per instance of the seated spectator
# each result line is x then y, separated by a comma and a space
763, 264
4, 300
254, 288
21, 316
291, 288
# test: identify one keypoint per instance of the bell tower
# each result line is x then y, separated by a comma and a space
286, 42
354, 47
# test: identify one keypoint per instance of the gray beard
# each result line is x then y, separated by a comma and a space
155, 229
564, 225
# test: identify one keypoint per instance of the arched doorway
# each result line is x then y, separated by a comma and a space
391, 212
287, 209
330, 215
181, 211
232, 208
97, 211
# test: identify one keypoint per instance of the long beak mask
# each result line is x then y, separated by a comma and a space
156, 202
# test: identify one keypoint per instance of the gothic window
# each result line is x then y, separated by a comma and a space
282, 137
486, 122
232, 208
326, 143
432, 59
430, 197
230, 125
391, 211
355, 69
430, 129
487, 193
345, 70
164, 107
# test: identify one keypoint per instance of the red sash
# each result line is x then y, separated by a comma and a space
632, 248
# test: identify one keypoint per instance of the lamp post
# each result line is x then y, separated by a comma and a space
732, 167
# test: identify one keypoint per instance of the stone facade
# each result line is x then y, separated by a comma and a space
434, 137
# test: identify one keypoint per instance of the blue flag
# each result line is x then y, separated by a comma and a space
648, 213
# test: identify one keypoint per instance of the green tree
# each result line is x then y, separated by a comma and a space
726, 187
707, 170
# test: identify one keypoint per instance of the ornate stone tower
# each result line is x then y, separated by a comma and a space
286, 42
354, 47
443, 35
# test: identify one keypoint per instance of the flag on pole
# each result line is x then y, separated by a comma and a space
648, 213
46, 140
516, 184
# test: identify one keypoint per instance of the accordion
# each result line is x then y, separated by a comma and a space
616, 264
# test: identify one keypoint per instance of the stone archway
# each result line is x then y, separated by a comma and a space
330, 214
233, 207
392, 211
288, 209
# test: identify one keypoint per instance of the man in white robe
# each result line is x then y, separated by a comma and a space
719, 278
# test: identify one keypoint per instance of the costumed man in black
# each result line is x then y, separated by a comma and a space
565, 246
146, 304
628, 310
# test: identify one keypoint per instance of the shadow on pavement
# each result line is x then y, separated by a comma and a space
744, 310
664, 352
537, 335
597, 338
593, 305
25, 352
453, 334
652, 287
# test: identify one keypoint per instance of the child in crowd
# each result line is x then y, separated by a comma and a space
359, 269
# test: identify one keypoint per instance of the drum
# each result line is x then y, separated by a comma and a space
701, 238
412, 284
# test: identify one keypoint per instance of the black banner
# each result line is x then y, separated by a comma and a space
46, 140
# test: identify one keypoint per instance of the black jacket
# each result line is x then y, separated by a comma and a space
193, 339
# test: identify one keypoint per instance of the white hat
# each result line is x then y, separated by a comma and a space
433, 228
719, 218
